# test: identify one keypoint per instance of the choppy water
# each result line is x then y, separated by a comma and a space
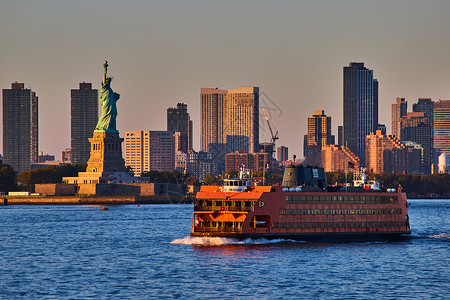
131, 252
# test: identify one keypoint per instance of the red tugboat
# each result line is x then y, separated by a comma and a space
303, 208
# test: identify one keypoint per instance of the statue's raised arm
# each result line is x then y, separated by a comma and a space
105, 67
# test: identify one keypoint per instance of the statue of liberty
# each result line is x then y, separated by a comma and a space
108, 99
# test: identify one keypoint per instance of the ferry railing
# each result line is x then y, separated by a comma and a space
218, 229
223, 208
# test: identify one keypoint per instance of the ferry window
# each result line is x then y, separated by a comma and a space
248, 203
228, 203
363, 199
218, 203
309, 199
323, 198
238, 203
316, 198
357, 199
341, 198
302, 199
208, 203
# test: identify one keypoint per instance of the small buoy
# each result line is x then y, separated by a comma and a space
105, 208
138, 205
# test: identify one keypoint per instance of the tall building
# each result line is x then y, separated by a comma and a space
415, 127
149, 151
20, 127
442, 126
319, 131
84, 118
282, 153
211, 111
178, 120
229, 121
399, 109
360, 107
241, 119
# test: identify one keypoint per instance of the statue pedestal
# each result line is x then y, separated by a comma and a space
106, 153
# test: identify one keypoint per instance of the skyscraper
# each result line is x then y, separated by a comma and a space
360, 107
399, 109
229, 121
178, 120
282, 153
442, 126
241, 119
20, 127
319, 131
211, 110
84, 118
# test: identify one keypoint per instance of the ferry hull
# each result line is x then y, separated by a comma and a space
342, 237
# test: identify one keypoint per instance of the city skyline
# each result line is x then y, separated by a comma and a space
293, 51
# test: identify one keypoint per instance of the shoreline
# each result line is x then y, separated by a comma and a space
100, 200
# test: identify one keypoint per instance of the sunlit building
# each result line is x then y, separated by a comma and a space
399, 109
442, 126
149, 151
335, 158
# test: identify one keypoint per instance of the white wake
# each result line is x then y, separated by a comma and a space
440, 236
219, 241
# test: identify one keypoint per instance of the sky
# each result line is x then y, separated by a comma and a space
161, 53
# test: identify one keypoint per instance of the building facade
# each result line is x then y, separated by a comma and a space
319, 131
212, 117
149, 151
198, 164
84, 118
415, 127
241, 119
253, 161
441, 115
399, 110
360, 107
20, 127
282, 153
178, 120
377, 144
338, 158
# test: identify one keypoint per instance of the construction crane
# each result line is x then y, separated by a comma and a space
274, 136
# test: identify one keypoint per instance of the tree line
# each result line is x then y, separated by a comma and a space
412, 184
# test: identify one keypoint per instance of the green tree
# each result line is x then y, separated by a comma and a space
8, 178
53, 174
210, 179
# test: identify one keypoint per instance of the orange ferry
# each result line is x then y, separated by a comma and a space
303, 208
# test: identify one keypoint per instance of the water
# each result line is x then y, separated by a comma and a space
130, 252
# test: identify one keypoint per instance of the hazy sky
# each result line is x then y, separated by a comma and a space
162, 52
